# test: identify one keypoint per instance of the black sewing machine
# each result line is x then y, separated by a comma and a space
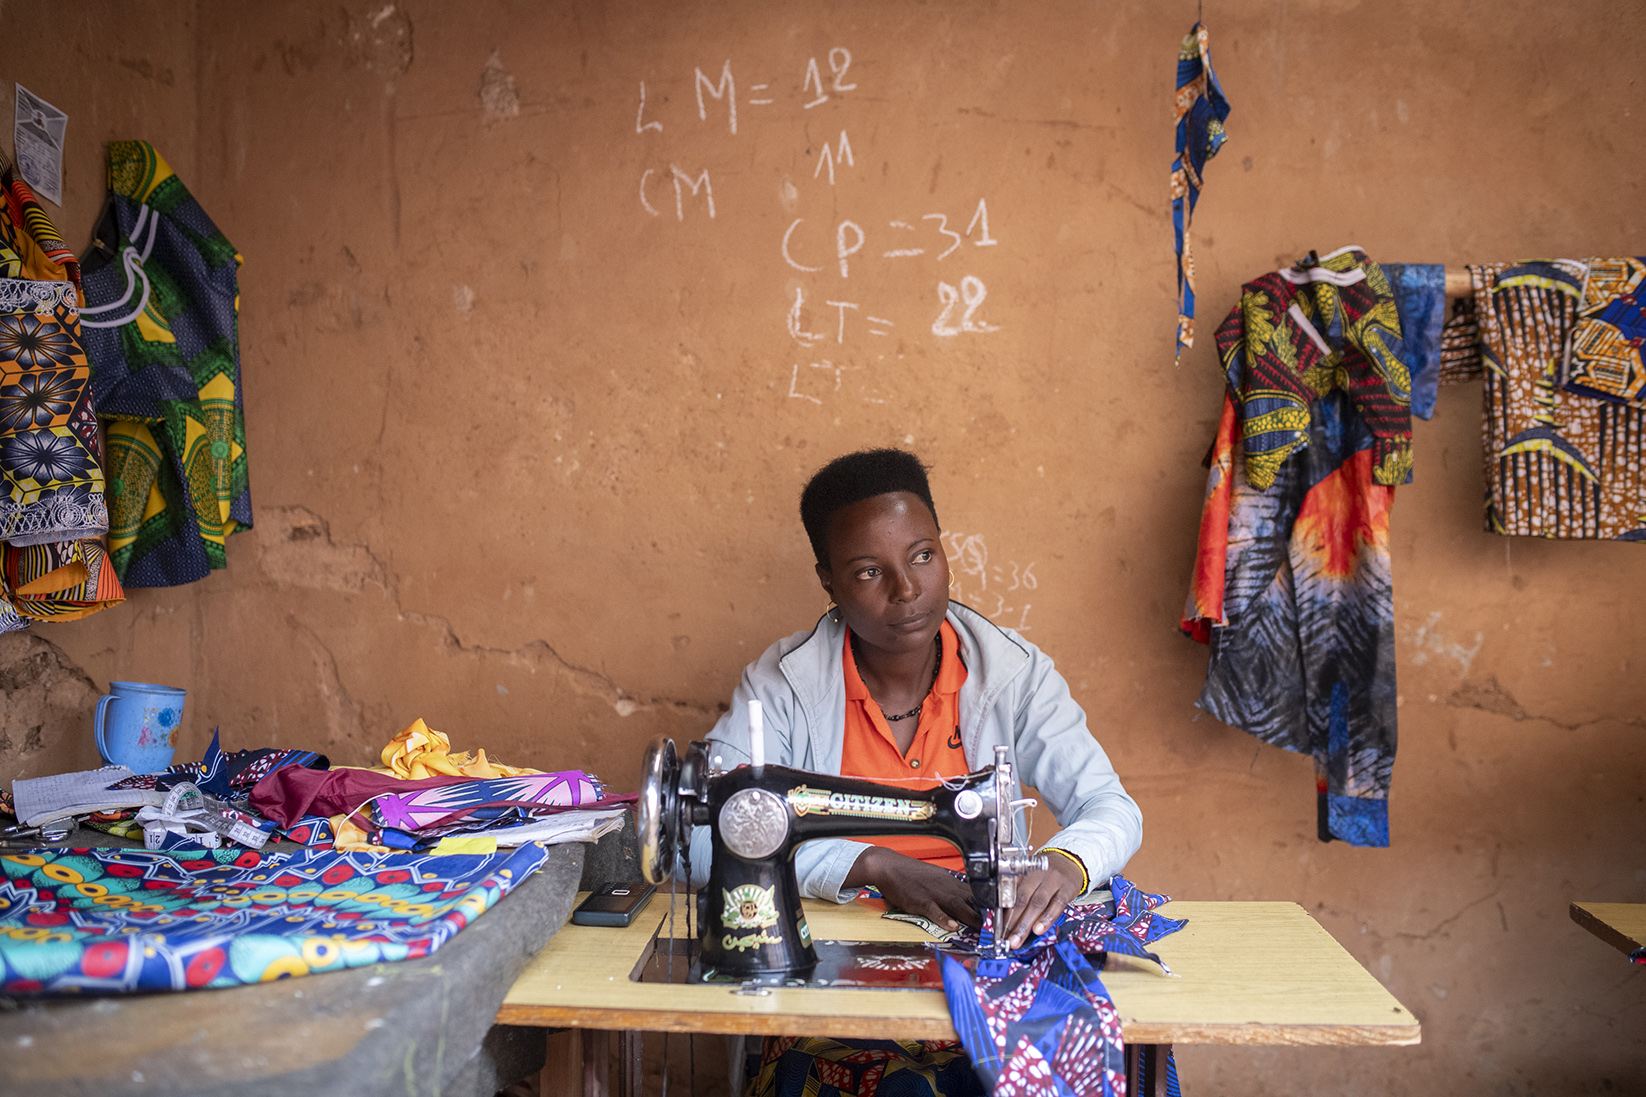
753, 928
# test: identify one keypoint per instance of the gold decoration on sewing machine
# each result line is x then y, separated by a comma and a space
749, 907
815, 801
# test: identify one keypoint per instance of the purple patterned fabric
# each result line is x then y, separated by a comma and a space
429, 807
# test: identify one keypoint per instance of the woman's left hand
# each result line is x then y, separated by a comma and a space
1041, 897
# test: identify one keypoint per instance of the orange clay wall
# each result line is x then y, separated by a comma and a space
532, 383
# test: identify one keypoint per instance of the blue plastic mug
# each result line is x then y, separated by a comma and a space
136, 725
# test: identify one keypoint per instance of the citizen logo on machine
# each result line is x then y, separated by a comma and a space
812, 801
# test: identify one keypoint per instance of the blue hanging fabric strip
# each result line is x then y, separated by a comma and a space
1201, 110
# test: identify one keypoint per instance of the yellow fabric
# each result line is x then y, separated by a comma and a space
136, 169
420, 751
351, 838
464, 843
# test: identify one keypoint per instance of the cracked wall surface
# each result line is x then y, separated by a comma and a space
525, 459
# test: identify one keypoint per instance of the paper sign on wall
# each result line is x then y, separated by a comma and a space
37, 135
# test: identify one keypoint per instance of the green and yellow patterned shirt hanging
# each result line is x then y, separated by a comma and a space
162, 331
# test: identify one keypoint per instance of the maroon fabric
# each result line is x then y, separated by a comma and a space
288, 794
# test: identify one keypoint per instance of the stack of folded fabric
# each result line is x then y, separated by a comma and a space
424, 796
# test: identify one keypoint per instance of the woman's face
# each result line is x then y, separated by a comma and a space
887, 571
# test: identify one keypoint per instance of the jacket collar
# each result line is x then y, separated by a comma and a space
814, 668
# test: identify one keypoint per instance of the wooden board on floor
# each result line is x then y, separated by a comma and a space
1243, 973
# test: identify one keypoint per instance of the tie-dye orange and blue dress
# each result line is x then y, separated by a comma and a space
1292, 586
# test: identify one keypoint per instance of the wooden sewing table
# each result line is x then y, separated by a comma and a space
1243, 973
1621, 925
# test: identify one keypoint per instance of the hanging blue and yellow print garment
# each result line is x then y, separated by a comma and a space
162, 332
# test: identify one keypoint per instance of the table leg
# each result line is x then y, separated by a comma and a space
562, 1064
629, 1073
597, 1061
577, 1063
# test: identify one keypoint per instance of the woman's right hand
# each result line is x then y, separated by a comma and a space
915, 887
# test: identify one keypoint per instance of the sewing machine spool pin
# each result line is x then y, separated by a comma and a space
752, 924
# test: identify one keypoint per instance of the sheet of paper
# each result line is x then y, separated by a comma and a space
570, 826
37, 137
43, 799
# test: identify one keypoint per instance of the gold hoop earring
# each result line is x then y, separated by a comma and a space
832, 611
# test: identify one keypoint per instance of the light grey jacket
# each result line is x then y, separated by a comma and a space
1012, 696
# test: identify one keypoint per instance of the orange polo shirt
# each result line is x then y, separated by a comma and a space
870, 751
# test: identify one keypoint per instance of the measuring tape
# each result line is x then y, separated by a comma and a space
188, 811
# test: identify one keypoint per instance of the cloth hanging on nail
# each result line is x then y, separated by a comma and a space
70, 920
1460, 360
1039, 1022
30, 245
53, 509
1325, 325
1558, 464
1420, 300
1606, 355
1293, 582
1201, 111
162, 330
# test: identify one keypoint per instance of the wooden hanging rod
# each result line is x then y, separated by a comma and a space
1458, 283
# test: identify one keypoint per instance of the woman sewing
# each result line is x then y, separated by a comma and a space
898, 684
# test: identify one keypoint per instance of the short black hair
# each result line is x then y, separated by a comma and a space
853, 478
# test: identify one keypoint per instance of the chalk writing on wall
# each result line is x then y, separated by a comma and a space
1000, 589
817, 310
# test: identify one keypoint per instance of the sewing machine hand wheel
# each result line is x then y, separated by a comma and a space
658, 815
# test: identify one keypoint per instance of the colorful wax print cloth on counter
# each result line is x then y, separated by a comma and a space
1293, 589
1327, 324
162, 331
420, 751
1039, 1022
1607, 353
1420, 300
1558, 464
1201, 112
76, 922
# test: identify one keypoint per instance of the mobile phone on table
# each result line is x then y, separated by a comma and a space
613, 905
